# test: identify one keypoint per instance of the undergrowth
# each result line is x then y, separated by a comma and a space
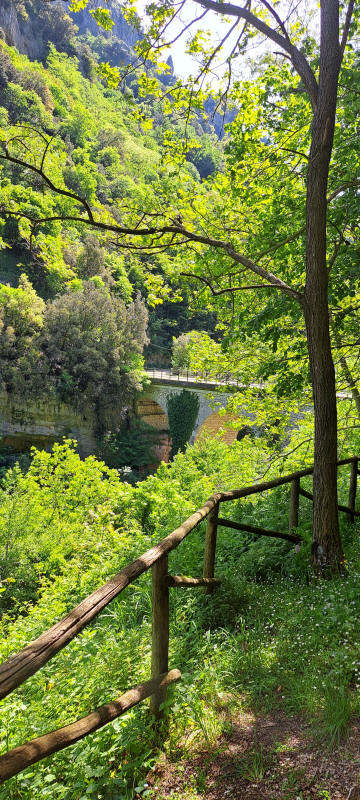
271, 636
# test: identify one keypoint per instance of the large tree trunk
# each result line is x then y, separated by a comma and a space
327, 549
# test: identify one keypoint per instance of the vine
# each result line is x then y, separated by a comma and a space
182, 411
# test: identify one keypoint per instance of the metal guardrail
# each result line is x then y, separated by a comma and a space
192, 378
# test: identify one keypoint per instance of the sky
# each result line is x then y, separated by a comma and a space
185, 65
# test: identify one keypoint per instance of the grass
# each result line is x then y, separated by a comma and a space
254, 765
336, 713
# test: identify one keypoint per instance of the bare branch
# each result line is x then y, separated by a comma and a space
299, 61
277, 18
214, 52
179, 35
346, 28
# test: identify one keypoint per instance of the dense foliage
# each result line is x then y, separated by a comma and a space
75, 290
132, 449
67, 526
137, 141
103, 151
73, 322
82, 347
182, 410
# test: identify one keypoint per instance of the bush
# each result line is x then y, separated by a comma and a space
133, 446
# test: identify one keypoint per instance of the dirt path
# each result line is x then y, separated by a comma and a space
268, 757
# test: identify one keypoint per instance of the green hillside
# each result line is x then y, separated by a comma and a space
103, 150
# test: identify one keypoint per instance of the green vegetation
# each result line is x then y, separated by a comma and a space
182, 411
85, 345
68, 525
73, 308
82, 347
131, 449
287, 203
123, 219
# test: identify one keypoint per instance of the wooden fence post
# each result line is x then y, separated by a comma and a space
294, 504
210, 545
160, 629
352, 488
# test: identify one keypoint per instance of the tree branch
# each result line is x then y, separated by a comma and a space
188, 236
345, 311
299, 61
342, 188
58, 190
246, 262
277, 246
277, 18
177, 229
346, 28
230, 289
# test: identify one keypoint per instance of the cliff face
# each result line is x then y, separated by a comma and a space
41, 423
29, 25
18, 29
121, 30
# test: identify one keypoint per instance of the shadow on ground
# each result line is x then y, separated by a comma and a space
263, 757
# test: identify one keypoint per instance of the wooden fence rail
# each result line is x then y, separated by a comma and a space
29, 753
21, 666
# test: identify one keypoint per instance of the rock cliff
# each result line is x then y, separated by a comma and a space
41, 423
29, 25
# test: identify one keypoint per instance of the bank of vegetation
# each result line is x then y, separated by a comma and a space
68, 525
76, 312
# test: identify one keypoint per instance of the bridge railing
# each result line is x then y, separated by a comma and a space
28, 661
181, 376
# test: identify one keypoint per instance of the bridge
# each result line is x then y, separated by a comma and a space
212, 394
44, 421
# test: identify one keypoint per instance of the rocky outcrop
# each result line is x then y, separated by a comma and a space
40, 423
121, 30
18, 29
29, 25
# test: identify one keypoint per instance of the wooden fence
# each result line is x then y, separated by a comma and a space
19, 667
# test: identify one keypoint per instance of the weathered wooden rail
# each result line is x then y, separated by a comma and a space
24, 664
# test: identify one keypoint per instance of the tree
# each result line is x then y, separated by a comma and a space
92, 346
318, 64
21, 321
132, 446
180, 359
